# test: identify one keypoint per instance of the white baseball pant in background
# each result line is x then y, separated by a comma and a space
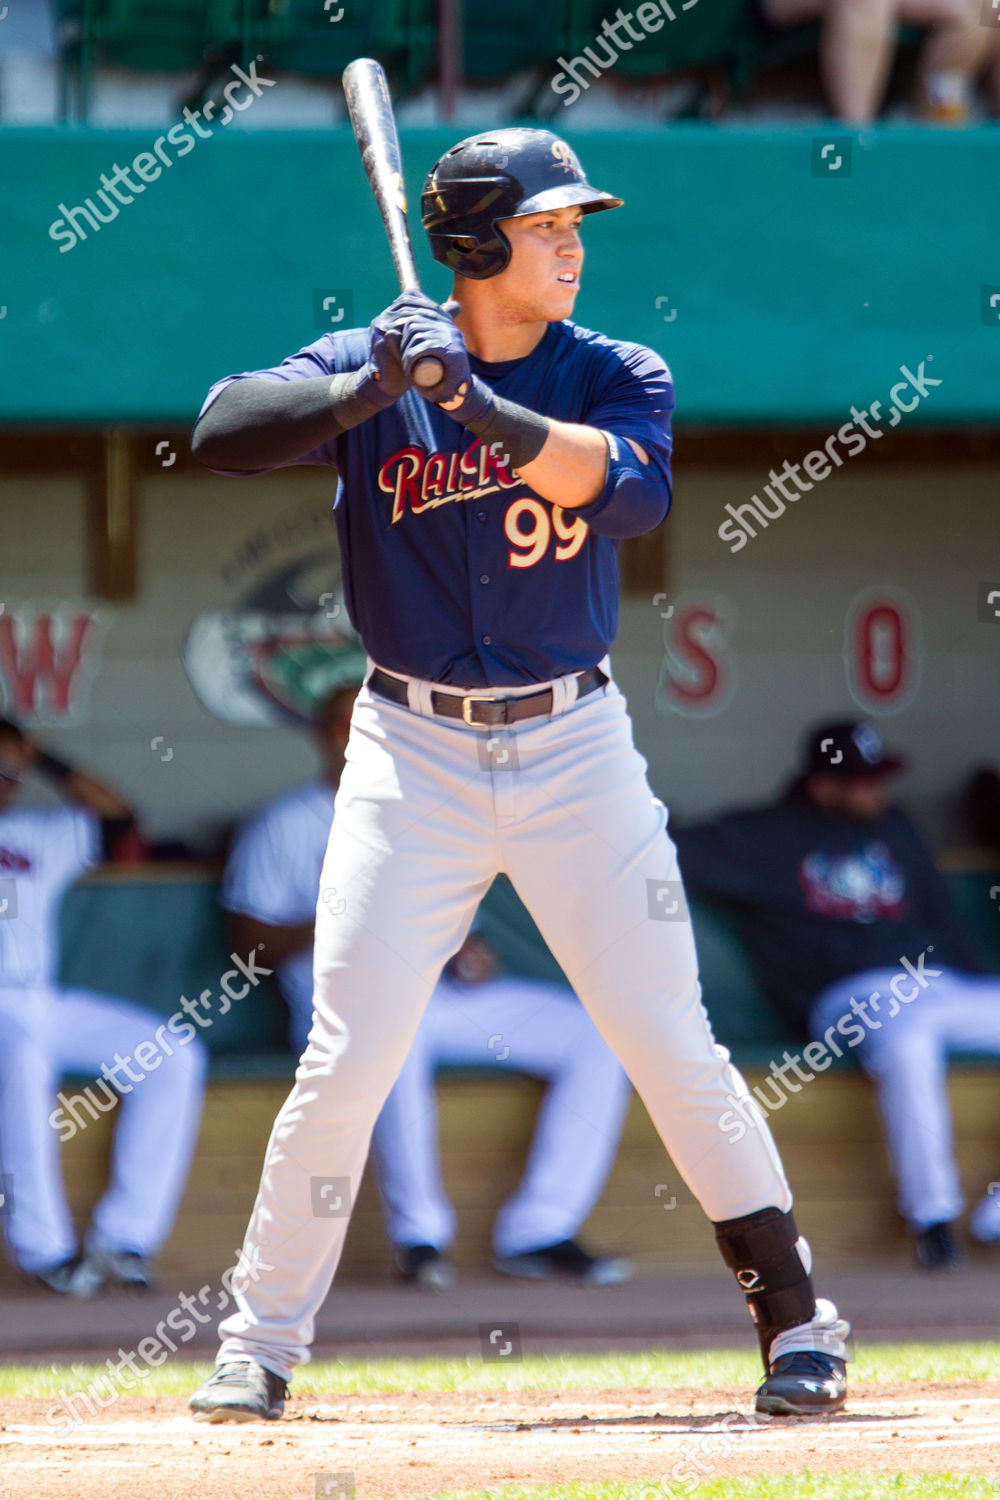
517, 1025
906, 1057
45, 1034
427, 815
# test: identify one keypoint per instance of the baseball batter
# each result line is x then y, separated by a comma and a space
479, 524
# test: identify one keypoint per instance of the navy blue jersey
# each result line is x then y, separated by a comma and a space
454, 569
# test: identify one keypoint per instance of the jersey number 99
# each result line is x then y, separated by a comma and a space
528, 527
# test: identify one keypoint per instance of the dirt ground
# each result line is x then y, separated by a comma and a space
409, 1446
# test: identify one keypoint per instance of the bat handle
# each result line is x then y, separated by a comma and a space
427, 372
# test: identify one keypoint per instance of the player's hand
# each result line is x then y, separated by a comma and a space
460, 393
384, 379
432, 335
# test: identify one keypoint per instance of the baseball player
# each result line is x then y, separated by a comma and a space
474, 1016
858, 942
479, 522
49, 1031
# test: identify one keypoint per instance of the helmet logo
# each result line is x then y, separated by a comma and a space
566, 158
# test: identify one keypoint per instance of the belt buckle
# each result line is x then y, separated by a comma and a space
469, 703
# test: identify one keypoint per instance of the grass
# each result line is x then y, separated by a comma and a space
800, 1486
653, 1370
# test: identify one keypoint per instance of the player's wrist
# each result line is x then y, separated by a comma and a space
366, 387
513, 433
473, 402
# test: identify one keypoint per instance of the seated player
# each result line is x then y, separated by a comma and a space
476, 1017
47, 1031
858, 43
854, 934
271, 884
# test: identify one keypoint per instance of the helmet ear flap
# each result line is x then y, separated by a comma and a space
475, 259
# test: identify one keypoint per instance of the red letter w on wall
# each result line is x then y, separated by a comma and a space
45, 660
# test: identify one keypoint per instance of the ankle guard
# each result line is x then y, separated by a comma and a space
772, 1265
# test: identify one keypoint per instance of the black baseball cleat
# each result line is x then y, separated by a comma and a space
803, 1384
73, 1278
935, 1248
242, 1391
423, 1265
122, 1268
566, 1261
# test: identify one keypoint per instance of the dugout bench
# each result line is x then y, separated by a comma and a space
155, 932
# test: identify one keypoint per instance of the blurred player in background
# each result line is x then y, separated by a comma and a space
48, 1031
855, 936
271, 882
474, 1018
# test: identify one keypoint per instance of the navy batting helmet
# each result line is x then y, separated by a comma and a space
500, 174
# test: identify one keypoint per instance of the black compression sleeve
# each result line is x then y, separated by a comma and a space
515, 432
259, 424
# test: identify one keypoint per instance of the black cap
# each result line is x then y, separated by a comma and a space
849, 749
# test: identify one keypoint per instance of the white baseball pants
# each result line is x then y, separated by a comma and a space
428, 812
906, 1057
522, 1026
45, 1034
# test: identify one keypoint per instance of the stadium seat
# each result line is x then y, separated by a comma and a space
301, 36
159, 35
147, 35
718, 35
497, 41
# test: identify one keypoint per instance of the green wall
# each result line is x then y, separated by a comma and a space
796, 295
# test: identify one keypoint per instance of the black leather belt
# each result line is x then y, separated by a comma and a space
481, 708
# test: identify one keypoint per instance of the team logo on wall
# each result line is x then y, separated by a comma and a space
280, 649
883, 650
49, 656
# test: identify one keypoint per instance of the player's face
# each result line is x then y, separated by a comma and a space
542, 278
867, 797
474, 963
864, 797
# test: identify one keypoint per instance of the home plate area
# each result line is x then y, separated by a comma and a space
414, 1446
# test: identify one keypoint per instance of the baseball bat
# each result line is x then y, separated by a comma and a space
370, 108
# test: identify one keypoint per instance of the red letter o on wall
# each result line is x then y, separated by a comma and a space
883, 656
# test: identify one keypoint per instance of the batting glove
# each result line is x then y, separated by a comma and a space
429, 335
384, 378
